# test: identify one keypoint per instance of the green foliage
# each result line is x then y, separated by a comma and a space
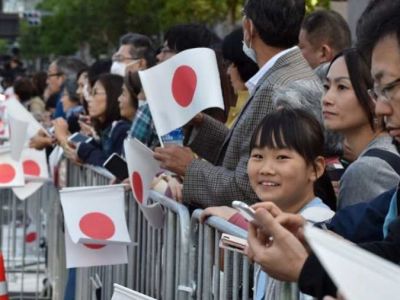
100, 23
311, 5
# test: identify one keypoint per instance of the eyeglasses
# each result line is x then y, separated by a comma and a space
385, 92
96, 93
121, 58
54, 74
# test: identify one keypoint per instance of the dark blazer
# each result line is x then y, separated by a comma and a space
96, 153
315, 281
223, 177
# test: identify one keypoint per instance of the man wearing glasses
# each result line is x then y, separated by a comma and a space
135, 53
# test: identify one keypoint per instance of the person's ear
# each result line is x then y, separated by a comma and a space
318, 168
248, 30
326, 54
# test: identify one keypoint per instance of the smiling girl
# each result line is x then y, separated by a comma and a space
286, 160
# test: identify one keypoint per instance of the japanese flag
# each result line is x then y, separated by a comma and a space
35, 171
142, 169
18, 111
123, 293
181, 87
96, 230
18, 136
11, 171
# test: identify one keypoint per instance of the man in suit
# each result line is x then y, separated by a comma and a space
270, 29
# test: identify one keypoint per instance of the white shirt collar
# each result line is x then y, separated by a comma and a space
253, 81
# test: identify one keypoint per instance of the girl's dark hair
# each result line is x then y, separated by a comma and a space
134, 86
113, 87
361, 80
296, 129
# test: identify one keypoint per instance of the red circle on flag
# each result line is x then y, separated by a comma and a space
137, 184
184, 84
97, 225
31, 237
31, 168
7, 173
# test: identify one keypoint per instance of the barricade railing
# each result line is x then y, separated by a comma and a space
182, 260
217, 273
23, 238
157, 266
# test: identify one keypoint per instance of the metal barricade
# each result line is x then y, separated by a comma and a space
157, 266
24, 226
217, 273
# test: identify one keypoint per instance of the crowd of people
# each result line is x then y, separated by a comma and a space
311, 119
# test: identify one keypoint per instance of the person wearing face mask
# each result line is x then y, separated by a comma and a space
135, 53
270, 31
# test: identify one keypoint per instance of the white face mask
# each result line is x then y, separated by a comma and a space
118, 68
250, 53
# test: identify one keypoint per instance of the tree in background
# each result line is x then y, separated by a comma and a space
96, 25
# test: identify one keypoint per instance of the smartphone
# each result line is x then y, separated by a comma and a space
335, 171
247, 212
79, 138
117, 166
232, 242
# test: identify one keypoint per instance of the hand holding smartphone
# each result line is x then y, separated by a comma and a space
117, 166
79, 138
247, 212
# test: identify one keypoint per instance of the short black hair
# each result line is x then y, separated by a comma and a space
361, 79
142, 47
276, 21
232, 51
327, 25
290, 128
99, 67
24, 89
187, 36
379, 20
113, 87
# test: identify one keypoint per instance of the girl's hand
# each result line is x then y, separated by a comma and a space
273, 209
224, 212
87, 129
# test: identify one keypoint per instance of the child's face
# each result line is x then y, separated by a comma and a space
281, 176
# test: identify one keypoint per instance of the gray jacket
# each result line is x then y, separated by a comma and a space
367, 177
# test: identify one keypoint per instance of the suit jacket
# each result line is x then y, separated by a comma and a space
223, 177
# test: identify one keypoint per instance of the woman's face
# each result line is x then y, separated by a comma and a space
341, 109
126, 109
66, 101
236, 81
281, 176
82, 80
97, 103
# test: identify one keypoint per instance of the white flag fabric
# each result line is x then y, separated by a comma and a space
142, 168
123, 293
11, 171
80, 255
18, 136
181, 87
4, 134
17, 110
96, 231
36, 172
357, 273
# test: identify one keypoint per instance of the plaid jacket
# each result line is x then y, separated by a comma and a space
143, 127
223, 177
